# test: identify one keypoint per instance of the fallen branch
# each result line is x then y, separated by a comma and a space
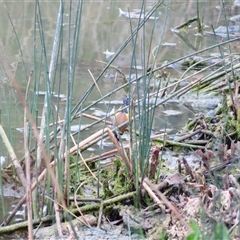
177, 144
86, 208
166, 202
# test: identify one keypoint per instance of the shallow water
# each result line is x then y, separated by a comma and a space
102, 30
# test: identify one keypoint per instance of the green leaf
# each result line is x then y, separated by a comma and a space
221, 232
195, 235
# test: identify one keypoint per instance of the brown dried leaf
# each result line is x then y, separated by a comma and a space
188, 169
176, 178
154, 162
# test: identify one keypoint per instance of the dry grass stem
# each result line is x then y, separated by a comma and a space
33, 123
17, 166
79, 210
58, 219
28, 186
85, 164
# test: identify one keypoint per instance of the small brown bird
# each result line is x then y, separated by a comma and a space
121, 116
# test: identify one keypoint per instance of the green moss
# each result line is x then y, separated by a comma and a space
71, 159
92, 165
107, 192
115, 180
194, 61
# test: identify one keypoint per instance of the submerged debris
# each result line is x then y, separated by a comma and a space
135, 15
108, 54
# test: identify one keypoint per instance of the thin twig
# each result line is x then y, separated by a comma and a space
188, 22
166, 202
84, 162
79, 210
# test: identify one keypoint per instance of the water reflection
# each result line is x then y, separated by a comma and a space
102, 30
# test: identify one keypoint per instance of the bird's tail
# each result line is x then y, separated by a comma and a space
116, 135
